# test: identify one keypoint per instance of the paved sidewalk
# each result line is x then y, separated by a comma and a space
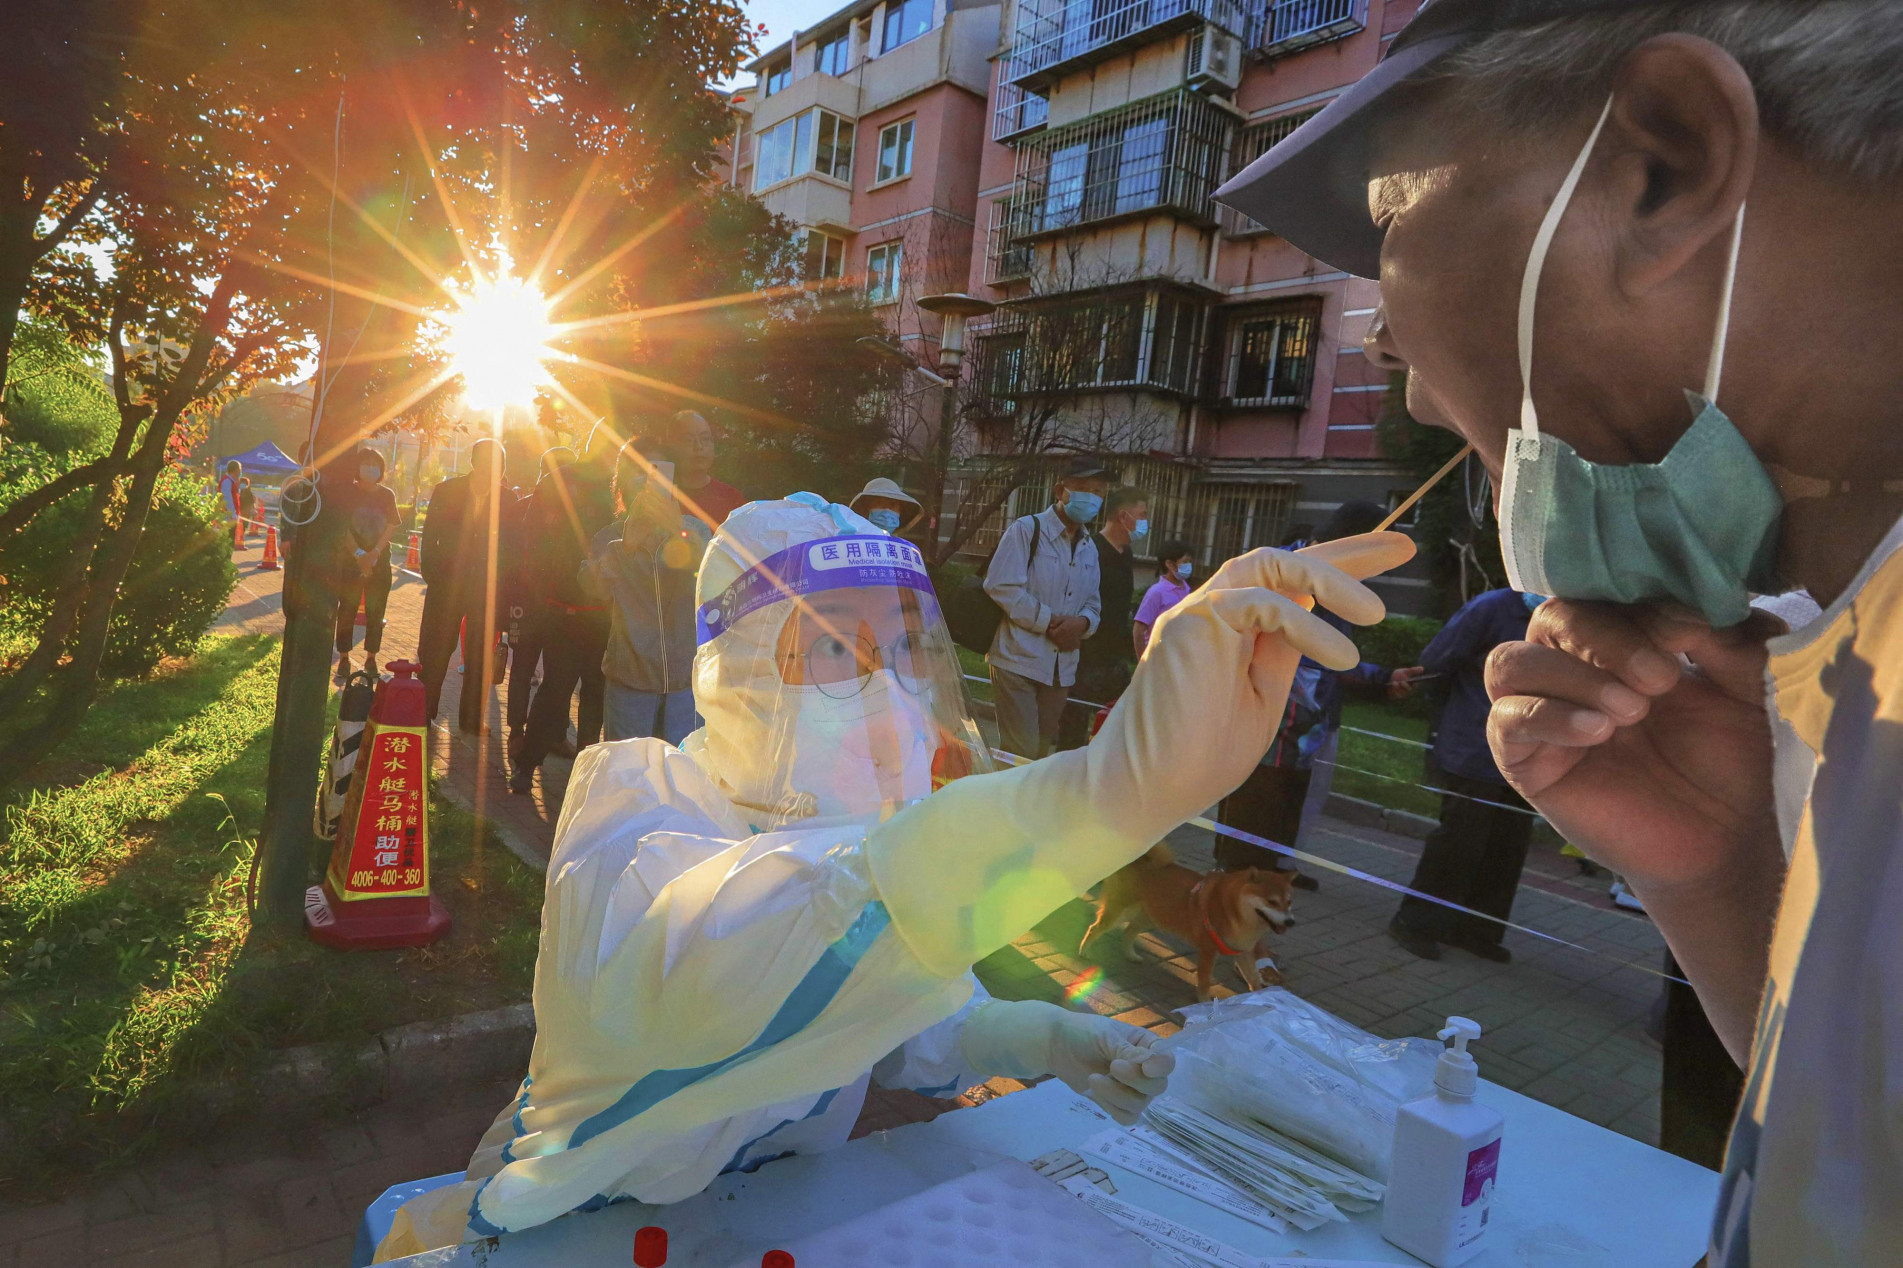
1562, 1025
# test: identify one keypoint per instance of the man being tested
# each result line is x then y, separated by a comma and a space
1643, 256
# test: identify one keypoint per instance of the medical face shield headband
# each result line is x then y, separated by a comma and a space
1699, 527
830, 685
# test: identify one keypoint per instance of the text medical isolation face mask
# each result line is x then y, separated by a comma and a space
1699, 527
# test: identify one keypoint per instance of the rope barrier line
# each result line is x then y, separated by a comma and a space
1330, 865
1445, 792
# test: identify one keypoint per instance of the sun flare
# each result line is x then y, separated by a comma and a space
498, 338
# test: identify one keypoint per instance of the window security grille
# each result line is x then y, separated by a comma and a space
1146, 339
1252, 143
1008, 257
1291, 25
1271, 356
1165, 152
1017, 110
1051, 33
1226, 520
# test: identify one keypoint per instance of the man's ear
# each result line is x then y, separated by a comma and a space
1683, 143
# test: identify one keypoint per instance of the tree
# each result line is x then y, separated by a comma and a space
1050, 374
1454, 521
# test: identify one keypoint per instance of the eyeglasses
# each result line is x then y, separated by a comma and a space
840, 667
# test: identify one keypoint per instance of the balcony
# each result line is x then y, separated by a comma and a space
1165, 153
1017, 111
1055, 37
1292, 25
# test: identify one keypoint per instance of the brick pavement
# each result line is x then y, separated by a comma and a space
1562, 1026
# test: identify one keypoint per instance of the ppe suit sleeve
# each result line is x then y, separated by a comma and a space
932, 1062
1203, 707
1008, 579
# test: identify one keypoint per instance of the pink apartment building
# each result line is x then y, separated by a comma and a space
1058, 158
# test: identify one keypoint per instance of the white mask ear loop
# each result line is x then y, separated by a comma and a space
1536, 262
1715, 364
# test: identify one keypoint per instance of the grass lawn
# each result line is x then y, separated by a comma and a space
128, 965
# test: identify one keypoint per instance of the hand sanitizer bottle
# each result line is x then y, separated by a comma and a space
1446, 1150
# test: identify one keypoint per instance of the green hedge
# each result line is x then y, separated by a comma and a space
176, 586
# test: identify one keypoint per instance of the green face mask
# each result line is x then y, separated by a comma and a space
1699, 527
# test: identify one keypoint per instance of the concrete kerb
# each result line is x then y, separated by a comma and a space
419, 1057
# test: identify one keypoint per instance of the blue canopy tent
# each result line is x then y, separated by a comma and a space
264, 459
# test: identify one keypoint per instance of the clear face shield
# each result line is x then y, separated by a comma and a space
830, 685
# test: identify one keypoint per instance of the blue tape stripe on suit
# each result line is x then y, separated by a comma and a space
734, 1163
806, 1002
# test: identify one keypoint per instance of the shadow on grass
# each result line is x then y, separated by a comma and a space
146, 977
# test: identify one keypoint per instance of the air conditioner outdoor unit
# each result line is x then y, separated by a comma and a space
1215, 60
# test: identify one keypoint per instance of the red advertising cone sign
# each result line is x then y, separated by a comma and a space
270, 561
376, 894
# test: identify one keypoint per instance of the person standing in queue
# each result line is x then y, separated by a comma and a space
366, 573
1602, 233
524, 599
1044, 577
888, 506
1175, 566
689, 440
573, 624
1475, 854
1104, 662
458, 559
643, 565
1270, 802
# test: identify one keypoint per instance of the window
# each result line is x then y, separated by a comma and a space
882, 271
1272, 357
895, 151
1162, 152
811, 141
774, 161
905, 20
825, 256
778, 77
832, 155
1002, 360
834, 55
1148, 338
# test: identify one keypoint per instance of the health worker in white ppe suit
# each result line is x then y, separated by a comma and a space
739, 934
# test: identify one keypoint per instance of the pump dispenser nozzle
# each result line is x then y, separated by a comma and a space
1456, 1074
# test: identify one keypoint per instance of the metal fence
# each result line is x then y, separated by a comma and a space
1053, 32
1164, 152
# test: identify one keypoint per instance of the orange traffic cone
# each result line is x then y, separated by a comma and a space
413, 560
270, 561
237, 534
363, 616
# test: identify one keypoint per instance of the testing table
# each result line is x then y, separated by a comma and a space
1570, 1195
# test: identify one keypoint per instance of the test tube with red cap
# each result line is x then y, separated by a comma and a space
650, 1247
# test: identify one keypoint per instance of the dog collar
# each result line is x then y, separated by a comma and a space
1209, 928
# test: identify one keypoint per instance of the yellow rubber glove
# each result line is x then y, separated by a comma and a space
987, 857
1113, 1063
